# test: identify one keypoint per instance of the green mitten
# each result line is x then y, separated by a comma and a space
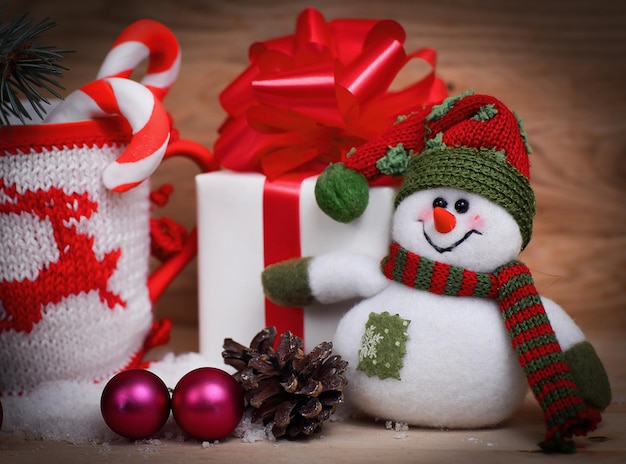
589, 374
287, 283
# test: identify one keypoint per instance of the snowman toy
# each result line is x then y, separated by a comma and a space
449, 331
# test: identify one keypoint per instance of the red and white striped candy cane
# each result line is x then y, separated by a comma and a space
144, 113
145, 39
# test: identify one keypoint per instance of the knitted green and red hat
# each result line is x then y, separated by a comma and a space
471, 142
342, 190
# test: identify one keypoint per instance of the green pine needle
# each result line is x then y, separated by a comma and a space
27, 70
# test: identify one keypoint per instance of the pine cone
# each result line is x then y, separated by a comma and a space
296, 392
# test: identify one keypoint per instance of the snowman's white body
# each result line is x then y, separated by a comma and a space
459, 370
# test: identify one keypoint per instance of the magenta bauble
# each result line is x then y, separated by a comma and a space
135, 404
207, 403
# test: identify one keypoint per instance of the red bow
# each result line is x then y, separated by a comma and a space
309, 98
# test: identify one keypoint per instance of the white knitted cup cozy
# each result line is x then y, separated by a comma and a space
74, 300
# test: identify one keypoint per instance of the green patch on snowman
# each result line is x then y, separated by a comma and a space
383, 345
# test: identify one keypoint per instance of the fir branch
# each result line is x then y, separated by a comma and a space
27, 69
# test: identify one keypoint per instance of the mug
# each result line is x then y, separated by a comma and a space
76, 294
75, 291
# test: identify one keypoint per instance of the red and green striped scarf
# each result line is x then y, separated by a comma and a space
532, 337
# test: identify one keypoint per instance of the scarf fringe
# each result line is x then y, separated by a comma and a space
558, 438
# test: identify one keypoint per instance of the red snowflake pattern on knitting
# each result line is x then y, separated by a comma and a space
78, 269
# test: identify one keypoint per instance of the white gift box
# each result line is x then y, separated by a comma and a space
231, 255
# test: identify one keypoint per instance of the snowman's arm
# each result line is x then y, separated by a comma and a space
585, 365
326, 278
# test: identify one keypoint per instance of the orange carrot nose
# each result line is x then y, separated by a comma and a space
444, 220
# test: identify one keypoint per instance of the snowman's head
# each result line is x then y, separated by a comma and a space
474, 176
457, 227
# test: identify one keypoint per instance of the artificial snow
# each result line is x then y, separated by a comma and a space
250, 432
480, 442
70, 411
209, 444
401, 429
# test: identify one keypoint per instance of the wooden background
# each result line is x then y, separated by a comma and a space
561, 65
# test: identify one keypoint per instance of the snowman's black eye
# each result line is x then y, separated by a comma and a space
461, 206
440, 202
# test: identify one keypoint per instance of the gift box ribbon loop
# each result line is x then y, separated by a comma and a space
307, 99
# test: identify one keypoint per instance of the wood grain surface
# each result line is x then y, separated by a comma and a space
561, 65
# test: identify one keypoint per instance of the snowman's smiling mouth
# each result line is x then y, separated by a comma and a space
451, 247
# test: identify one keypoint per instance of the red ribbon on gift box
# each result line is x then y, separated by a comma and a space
281, 241
305, 101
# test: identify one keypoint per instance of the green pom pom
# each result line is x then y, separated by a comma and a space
343, 194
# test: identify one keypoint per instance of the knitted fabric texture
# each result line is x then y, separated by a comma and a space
74, 304
408, 131
532, 337
479, 121
418, 272
475, 143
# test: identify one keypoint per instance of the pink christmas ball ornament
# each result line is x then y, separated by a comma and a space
135, 404
208, 403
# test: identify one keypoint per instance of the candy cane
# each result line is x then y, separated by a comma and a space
145, 39
144, 113
138, 103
